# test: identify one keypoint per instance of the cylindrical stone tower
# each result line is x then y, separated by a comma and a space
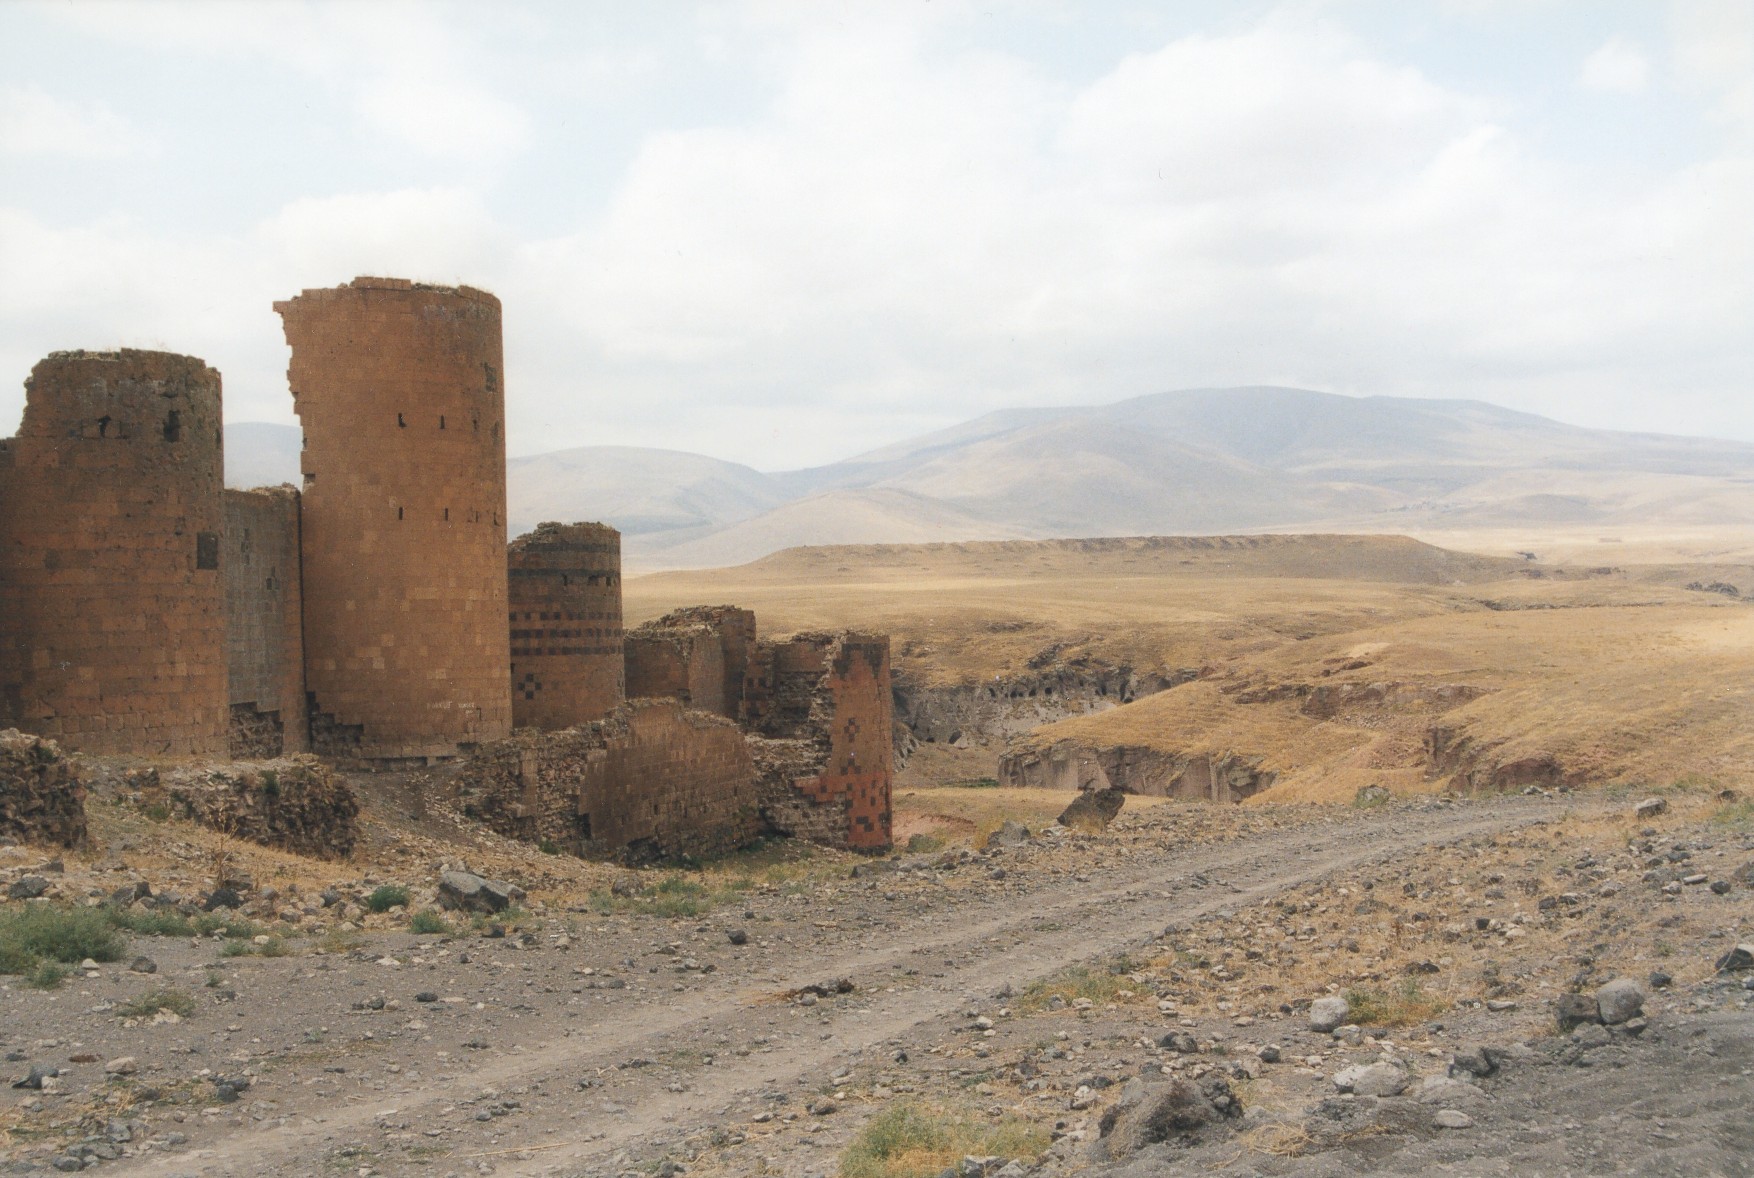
566, 624
399, 388
112, 612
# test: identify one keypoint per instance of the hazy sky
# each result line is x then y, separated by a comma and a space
782, 233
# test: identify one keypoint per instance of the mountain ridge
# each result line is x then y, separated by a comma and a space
1196, 461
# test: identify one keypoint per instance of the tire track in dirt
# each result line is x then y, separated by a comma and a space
994, 942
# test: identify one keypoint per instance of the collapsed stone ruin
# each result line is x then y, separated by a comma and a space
376, 615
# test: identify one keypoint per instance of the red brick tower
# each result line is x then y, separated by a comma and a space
566, 624
112, 612
399, 388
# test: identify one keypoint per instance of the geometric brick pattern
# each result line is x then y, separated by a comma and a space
565, 599
112, 613
399, 388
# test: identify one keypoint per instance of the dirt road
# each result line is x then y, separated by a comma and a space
605, 1076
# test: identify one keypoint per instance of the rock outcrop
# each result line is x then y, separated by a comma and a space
41, 798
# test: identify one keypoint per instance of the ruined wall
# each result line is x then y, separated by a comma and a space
565, 596
112, 611
264, 623
822, 708
295, 804
650, 781
41, 798
683, 663
399, 389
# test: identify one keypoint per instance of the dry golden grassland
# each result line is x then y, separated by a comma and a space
1613, 673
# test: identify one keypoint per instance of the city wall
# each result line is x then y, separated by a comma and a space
264, 625
565, 596
112, 611
399, 388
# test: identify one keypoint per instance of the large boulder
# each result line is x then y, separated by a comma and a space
1093, 808
468, 892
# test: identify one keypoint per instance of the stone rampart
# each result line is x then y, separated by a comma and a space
112, 611
650, 781
264, 624
565, 587
400, 389
293, 804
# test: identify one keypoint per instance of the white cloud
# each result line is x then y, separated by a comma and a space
444, 117
1618, 67
34, 122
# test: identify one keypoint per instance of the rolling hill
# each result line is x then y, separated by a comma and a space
1193, 462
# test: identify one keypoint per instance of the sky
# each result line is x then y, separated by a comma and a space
784, 233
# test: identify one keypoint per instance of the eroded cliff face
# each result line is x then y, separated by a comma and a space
1228, 777
989, 715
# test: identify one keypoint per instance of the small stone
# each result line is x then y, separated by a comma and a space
1376, 1079
1452, 1118
1270, 1054
1660, 980
143, 965
1325, 1014
426, 996
737, 936
1720, 887
27, 888
124, 1065
1572, 1010
1650, 807
1741, 957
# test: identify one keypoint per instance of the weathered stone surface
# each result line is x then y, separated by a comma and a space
1096, 807
1619, 1001
468, 892
648, 782
41, 798
1572, 1010
1180, 1111
1325, 1014
1375, 1079
294, 804
1739, 958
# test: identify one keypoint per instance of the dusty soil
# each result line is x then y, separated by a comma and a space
592, 1035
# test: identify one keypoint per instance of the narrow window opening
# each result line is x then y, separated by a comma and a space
103, 426
400, 424
441, 421
398, 513
173, 426
447, 513
207, 550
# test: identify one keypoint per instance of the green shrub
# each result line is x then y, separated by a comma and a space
387, 897
54, 932
162, 998
48, 975
427, 922
1400, 1006
920, 844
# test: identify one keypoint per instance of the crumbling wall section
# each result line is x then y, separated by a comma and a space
565, 595
399, 386
264, 624
822, 708
295, 804
41, 798
650, 781
112, 610
683, 663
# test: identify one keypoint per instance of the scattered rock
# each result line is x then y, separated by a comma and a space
1620, 1000
1326, 1014
27, 888
1450, 1118
1097, 807
471, 893
1375, 1079
737, 936
1650, 807
1180, 1110
1573, 1010
143, 965
1739, 958
121, 1066
1011, 834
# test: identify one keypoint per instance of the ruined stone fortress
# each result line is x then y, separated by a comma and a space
376, 615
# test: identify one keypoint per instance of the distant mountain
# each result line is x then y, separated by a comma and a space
1198, 461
